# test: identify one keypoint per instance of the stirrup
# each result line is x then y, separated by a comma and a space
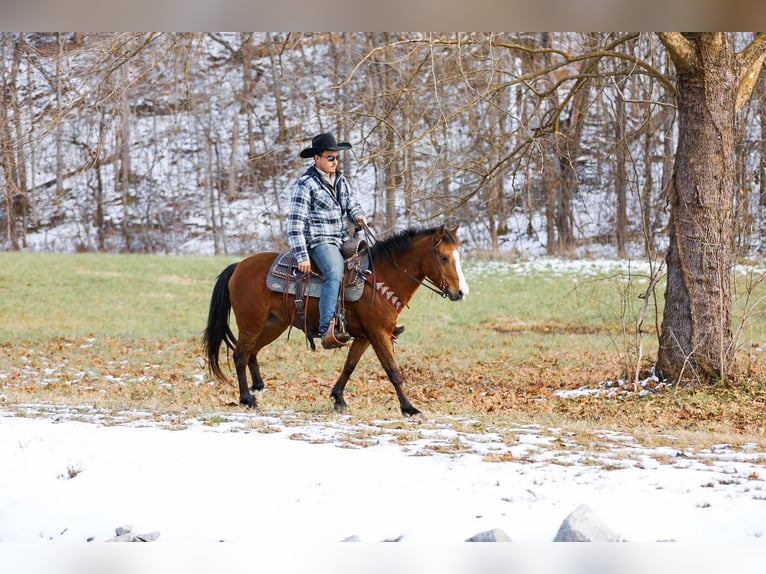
332, 340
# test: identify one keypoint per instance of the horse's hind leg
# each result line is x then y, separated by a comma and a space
273, 328
358, 347
245, 396
255, 374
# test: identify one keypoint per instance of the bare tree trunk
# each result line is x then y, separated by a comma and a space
59, 119
124, 163
550, 180
231, 185
100, 222
668, 154
494, 191
565, 144
29, 140
392, 183
696, 338
18, 140
276, 87
550, 177
249, 82
219, 195
503, 103
744, 224
388, 177
568, 146
391, 165
761, 90
11, 193
212, 201
620, 183
562, 205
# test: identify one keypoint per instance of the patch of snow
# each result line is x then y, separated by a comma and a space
241, 477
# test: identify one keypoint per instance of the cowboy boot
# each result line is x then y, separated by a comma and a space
333, 340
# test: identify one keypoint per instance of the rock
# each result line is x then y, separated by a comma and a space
148, 537
494, 535
122, 538
352, 538
125, 534
582, 525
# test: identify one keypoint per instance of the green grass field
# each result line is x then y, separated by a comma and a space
47, 295
122, 332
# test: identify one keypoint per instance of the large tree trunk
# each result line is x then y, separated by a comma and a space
762, 126
696, 338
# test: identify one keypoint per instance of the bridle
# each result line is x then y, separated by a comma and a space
426, 281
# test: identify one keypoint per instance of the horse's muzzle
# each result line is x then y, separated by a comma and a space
455, 295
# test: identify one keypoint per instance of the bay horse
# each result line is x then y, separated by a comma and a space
401, 263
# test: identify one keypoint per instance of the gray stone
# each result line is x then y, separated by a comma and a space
128, 537
125, 534
494, 535
582, 525
147, 537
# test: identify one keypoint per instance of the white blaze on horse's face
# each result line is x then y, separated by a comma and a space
463, 284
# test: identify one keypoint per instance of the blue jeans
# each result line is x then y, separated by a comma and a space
330, 262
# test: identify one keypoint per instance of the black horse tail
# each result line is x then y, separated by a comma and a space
218, 330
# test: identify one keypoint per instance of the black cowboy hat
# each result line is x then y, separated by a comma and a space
323, 142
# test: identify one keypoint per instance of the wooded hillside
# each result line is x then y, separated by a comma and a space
557, 143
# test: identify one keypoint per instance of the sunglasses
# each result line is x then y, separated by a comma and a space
331, 157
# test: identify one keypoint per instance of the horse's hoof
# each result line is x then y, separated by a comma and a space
340, 409
410, 412
248, 402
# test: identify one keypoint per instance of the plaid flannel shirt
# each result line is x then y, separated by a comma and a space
318, 213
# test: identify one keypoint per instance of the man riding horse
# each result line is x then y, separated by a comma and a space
321, 202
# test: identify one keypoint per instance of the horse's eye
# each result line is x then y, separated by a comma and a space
444, 258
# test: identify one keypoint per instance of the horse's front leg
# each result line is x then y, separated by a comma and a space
384, 349
358, 347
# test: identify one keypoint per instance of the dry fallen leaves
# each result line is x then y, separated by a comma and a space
168, 376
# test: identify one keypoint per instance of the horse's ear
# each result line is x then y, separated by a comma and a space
439, 235
449, 232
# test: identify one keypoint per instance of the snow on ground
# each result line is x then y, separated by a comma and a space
75, 475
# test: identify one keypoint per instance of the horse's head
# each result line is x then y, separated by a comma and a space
444, 268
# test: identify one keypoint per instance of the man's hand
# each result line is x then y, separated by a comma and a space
361, 220
304, 266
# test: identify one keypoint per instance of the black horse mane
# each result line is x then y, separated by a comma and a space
402, 241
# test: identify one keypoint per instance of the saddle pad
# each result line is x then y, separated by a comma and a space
285, 263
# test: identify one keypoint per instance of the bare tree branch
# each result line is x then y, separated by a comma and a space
752, 52
680, 48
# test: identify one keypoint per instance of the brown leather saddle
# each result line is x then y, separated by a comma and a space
284, 277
